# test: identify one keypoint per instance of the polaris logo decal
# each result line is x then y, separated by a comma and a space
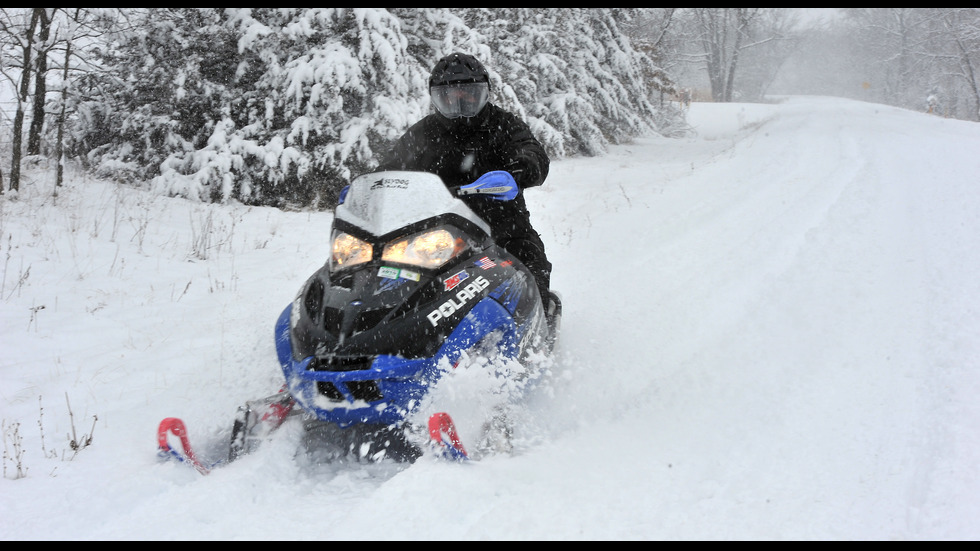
455, 280
464, 295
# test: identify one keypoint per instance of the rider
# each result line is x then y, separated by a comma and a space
471, 143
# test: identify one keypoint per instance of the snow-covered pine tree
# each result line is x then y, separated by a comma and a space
162, 85
610, 103
436, 32
572, 72
336, 84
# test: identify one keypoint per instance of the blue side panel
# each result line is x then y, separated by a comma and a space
402, 382
484, 318
507, 295
284, 348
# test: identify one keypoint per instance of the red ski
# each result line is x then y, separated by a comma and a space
442, 433
175, 426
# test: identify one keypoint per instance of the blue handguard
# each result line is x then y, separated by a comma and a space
499, 185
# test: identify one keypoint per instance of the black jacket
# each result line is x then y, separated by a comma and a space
462, 151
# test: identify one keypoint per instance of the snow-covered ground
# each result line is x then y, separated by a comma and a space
771, 331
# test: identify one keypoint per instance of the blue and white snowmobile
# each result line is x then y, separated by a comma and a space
414, 284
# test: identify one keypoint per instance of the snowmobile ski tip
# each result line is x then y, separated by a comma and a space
175, 426
442, 432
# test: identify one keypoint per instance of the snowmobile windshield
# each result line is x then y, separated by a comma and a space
460, 100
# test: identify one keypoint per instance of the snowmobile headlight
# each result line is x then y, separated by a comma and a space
427, 249
349, 251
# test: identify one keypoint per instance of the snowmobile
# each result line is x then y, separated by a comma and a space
414, 285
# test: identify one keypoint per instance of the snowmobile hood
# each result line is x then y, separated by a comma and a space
382, 202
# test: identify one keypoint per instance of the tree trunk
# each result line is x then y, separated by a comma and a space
25, 81
60, 144
970, 76
743, 19
40, 83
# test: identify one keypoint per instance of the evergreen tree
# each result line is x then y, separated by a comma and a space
576, 75
335, 84
165, 83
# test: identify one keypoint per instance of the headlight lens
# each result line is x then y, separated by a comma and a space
349, 251
427, 249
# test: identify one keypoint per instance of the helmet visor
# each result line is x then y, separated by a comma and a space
460, 100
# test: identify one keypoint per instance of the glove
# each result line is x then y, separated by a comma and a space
525, 170
499, 185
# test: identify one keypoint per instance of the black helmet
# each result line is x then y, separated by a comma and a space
459, 86
458, 68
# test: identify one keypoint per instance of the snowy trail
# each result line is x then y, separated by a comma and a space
705, 248
777, 298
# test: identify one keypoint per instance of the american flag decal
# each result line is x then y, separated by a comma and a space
485, 263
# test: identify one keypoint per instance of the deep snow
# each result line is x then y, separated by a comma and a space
771, 331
